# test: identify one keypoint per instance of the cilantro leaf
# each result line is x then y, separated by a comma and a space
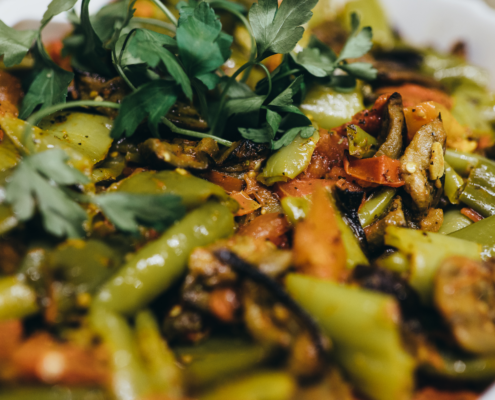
49, 86
203, 47
14, 44
152, 100
149, 47
56, 7
364, 71
127, 211
290, 135
277, 30
35, 182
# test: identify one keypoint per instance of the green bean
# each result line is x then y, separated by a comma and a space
289, 161
17, 299
155, 267
361, 144
462, 368
482, 232
129, 378
453, 221
266, 385
425, 251
461, 162
295, 208
453, 184
193, 191
396, 262
479, 192
51, 393
163, 372
374, 207
364, 328
217, 359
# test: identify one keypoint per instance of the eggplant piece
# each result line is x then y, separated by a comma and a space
394, 130
243, 155
420, 165
187, 117
180, 153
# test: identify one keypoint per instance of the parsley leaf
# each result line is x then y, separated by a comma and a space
149, 47
290, 135
262, 135
277, 30
203, 47
358, 44
318, 59
14, 44
56, 7
36, 182
49, 86
127, 211
364, 71
152, 100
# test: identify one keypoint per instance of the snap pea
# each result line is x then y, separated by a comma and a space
479, 192
266, 385
129, 379
163, 372
217, 359
453, 184
17, 299
375, 362
193, 191
155, 267
289, 161
453, 221
375, 206
425, 251
361, 144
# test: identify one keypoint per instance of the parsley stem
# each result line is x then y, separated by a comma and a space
154, 22
166, 11
223, 98
269, 77
186, 132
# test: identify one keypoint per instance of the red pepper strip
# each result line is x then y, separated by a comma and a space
246, 204
301, 188
471, 214
414, 94
229, 183
374, 171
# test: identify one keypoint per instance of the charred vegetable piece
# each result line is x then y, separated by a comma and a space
156, 266
266, 384
348, 203
17, 299
129, 377
243, 155
376, 205
318, 247
289, 161
479, 192
432, 222
394, 130
395, 217
464, 293
193, 191
419, 161
376, 363
425, 251
110, 169
180, 153
361, 144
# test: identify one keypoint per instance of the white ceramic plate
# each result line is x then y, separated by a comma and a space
436, 23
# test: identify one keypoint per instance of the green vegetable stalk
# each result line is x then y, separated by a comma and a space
463, 368
289, 161
17, 300
361, 144
364, 327
155, 267
482, 232
129, 377
461, 162
425, 251
376, 206
295, 208
163, 373
453, 184
479, 192
266, 385
453, 221
396, 262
